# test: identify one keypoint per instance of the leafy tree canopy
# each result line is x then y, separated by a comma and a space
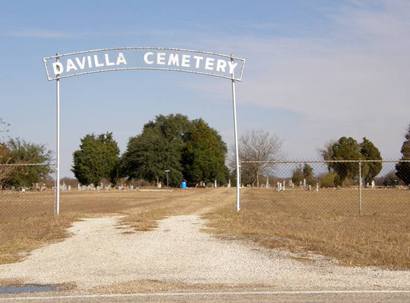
17, 151
149, 154
203, 156
304, 172
403, 168
370, 152
188, 149
97, 159
347, 148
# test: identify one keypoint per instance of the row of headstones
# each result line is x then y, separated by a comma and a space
91, 187
39, 186
281, 186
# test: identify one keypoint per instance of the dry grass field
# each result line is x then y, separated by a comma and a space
325, 222
27, 220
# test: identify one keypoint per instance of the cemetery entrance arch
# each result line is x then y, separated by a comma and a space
143, 58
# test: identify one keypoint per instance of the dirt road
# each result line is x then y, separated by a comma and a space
102, 255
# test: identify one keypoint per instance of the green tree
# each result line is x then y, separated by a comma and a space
156, 149
370, 152
203, 156
403, 168
297, 175
148, 156
97, 159
327, 152
390, 179
308, 174
346, 148
301, 173
171, 127
189, 149
5, 170
17, 151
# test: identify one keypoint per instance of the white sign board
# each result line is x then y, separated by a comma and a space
170, 59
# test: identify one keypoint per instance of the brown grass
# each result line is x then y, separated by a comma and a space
27, 220
325, 222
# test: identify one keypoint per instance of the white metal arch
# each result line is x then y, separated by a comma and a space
79, 63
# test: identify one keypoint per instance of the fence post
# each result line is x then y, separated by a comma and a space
360, 188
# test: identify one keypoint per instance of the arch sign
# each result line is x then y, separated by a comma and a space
143, 58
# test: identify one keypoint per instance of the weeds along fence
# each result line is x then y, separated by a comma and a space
355, 187
22, 183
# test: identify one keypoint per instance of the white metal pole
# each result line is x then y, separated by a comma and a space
235, 125
57, 176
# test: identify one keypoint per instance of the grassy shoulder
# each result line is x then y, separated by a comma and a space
324, 222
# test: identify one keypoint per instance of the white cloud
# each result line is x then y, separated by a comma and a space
354, 80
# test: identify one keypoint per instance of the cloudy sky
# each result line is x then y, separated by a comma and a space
315, 71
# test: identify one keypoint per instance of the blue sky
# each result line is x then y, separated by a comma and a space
316, 70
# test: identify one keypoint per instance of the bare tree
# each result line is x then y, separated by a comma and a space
4, 127
257, 145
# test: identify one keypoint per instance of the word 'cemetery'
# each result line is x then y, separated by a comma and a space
189, 61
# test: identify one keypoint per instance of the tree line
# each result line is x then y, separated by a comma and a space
347, 173
17, 151
176, 147
172, 147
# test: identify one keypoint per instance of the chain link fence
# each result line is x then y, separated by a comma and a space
346, 187
25, 186
356, 187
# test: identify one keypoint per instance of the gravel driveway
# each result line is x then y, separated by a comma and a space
99, 254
